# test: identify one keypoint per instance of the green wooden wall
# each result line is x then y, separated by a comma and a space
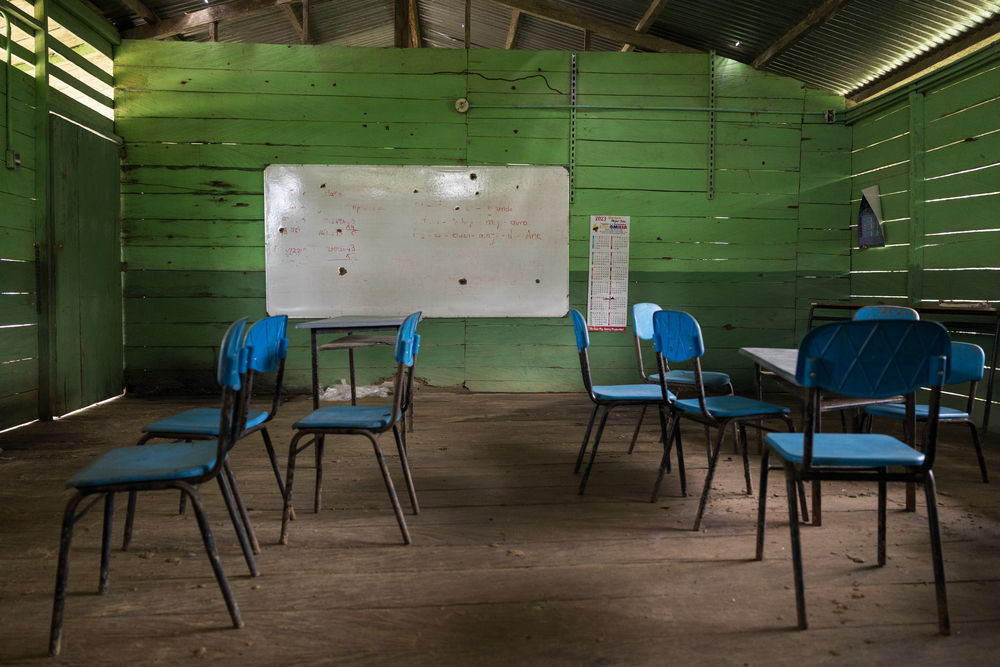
932, 149
201, 121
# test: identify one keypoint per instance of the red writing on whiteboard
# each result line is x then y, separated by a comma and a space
292, 252
517, 223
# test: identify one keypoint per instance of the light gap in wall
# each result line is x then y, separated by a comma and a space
14, 428
964, 109
975, 196
964, 171
975, 137
964, 231
17, 326
884, 166
970, 268
879, 143
88, 407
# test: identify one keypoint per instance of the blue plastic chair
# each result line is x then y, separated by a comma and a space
367, 420
267, 346
885, 313
868, 359
181, 466
677, 380
610, 397
968, 362
677, 338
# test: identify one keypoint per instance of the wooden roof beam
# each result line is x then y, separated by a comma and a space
407, 25
186, 22
654, 9
558, 13
300, 26
812, 20
515, 17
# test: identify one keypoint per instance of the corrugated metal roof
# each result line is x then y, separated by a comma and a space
862, 41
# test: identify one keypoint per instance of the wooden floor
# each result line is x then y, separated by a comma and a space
509, 565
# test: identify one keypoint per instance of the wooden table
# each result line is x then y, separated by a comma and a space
345, 324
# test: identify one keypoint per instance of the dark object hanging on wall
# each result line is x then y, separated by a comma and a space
870, 234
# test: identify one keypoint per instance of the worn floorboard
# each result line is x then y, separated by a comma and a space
509, 564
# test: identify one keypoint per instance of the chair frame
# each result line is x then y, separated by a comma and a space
970, 401
407, 348
645, 376
232, 414
667, 351
806, 471
583, 345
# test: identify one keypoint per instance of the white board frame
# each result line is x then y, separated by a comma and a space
489, 241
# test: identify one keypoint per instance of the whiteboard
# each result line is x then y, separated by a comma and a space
390, 240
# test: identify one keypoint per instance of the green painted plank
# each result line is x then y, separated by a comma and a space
278, 132
621, 83
202, 309
967, 251
194, 258
520, 128
889, 152
18, 409
964, 155
690, 203
198, 284
17, 308
496, 150
877, 129
962, 125
880, 259
19, 377
202, 232
17, 276
639, 129
967, 92
17, 244
283, 57
210, 155
265, 83
525, 82
67, 106
956, 215
19, 343
593, 62
826, 216
192, 180
880, 283
642, 178
975, 284
194, 207
518, 61
20, 181
192, 104
755, 84
645, 154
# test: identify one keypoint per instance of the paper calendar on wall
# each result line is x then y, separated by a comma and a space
607, 308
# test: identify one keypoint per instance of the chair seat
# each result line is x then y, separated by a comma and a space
199, 421
847, 450
354, 341
630, 392
148, 463
346, 417
726, 407
710, 379
898, 411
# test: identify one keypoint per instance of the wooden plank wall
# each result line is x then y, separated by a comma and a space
200, 121
933, 155
18, 290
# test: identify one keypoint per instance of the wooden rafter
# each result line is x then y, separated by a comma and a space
515, 17
185, 22
300, 26
812, 20
407, 25
654, 9
558, 13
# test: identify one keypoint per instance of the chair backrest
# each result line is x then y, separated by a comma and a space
267, 344
886, 313
968, 362
677, 336
875, 359
580, 329
642, 319
231, 374
407, 344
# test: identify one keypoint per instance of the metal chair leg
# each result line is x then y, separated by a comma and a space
882, 506
593, 450
709, 475
234, 490
109, 517
765, 456
793, 529
238, 525
586, 439
664, 460
286, 511
638, 425
272, 457
62, 573
318, 443
405, 463
742, 431
977, 443
930, 492
129, 520
213, 556
390, 489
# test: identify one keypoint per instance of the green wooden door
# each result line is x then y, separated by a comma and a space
86, 337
